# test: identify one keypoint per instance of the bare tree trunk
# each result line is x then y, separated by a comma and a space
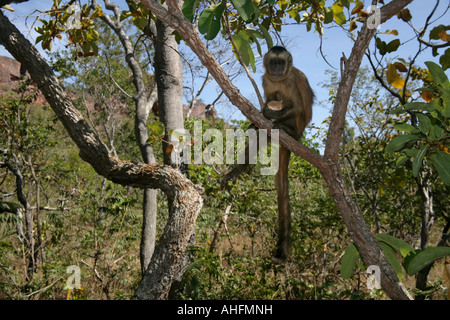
143, 102
169, 79
184, 198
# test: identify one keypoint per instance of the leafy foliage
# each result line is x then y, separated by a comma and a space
78, 23
428, 139
413, 260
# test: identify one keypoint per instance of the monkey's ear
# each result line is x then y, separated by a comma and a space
290, 60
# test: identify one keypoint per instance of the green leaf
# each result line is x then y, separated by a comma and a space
348, 261
390, 256
267, 36
246, 8
434, 33
393, 45
381, 46
419, 106
441, 162
397, 244
406, 128
441, 79
438, 75
424, 123
439, 132
398, 142
188, 9
401, 160
209, 21
417, 162
387, 48
328, 16
340, 18
444, 60
425, 257
338, 13
254, 35
140, 22
242, 42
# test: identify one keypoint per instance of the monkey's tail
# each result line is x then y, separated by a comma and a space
284, 212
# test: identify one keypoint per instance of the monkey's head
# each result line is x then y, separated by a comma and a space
278, 63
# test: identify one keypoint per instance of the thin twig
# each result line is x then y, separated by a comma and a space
43, 289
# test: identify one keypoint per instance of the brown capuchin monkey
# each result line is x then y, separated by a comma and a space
289, 99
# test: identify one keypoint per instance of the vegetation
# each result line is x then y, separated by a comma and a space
57, 210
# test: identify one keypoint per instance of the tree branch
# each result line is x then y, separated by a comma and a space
362, 42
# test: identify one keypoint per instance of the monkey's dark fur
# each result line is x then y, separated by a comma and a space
5, 2
283, 82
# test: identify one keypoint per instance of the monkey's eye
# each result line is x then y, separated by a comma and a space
277, 62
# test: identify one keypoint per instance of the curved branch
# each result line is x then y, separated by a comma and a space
362, 42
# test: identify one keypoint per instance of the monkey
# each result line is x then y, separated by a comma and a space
288, 103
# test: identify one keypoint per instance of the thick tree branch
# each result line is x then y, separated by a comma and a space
352, 65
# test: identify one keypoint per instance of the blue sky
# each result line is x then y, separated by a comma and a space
303, 45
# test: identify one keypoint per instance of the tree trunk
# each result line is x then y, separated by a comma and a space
143, 102
360, 233
169, 79
30, 249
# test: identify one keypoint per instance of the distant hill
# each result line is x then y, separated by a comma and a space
9, 71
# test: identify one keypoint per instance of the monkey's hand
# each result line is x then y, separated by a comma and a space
283, 126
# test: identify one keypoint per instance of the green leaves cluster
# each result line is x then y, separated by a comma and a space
440, 33
77, 23
384, 47
427, 138
250, 22
139, 14
412, 260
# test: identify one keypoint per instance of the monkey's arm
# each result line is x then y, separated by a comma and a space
282, 119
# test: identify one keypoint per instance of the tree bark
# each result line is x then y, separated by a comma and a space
328, 165
29, 219
169, 79
184, 198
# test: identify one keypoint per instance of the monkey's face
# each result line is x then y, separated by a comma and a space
278, 62
277, 67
